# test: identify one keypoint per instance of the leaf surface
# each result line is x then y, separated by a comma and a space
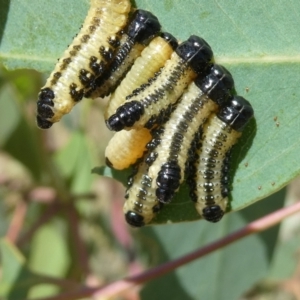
257, 41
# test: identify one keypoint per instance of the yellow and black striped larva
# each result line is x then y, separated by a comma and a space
152, 59
207, 174
85, 59
143, 27
126, 147
162, 170
169, 152
146, 107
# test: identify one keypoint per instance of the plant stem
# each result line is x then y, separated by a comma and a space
120, 286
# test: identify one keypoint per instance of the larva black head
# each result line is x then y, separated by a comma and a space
217, 85
236, 113
42, 123
197, 52
143, 27
168, 181
125, 116
134, 219
168, 37
213, 213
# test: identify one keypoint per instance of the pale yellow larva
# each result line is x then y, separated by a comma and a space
142, 28
162, 169
147, 106
208, 169
126, 147
85, 59
152, 59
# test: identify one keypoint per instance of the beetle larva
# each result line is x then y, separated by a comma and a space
162, 170
84, 60
167, 161
209, 183
143, 27
141, 204
126, 147
146, 107
152, 59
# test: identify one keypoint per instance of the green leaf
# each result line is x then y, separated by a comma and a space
221, 275
16, 278
49, 256
75, 163
258, 42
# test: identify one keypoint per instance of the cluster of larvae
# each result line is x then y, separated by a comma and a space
173, 109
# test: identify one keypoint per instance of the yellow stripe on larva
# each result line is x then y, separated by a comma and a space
152, 59
102, 26
217, 140
126, 147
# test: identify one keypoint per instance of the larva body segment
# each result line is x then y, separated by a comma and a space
146, 107
126, 147
152, 59
162, 170
84, 60
209, 182
141, 204
167, 161
143, 27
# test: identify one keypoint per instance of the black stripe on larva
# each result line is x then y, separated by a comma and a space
65, 63
56, 76
225, 190
141, 29
86, 78
125, 116
226, 125
97, 68
106, 53
161, 118
114, 42
168, 181
197, 52
76, 94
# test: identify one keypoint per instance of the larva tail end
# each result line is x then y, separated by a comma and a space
168, 181
125, 116
213, 213
134, 219
42, 123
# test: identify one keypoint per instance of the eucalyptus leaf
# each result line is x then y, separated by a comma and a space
258, 42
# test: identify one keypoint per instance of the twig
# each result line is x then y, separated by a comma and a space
17, 222
120, 286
